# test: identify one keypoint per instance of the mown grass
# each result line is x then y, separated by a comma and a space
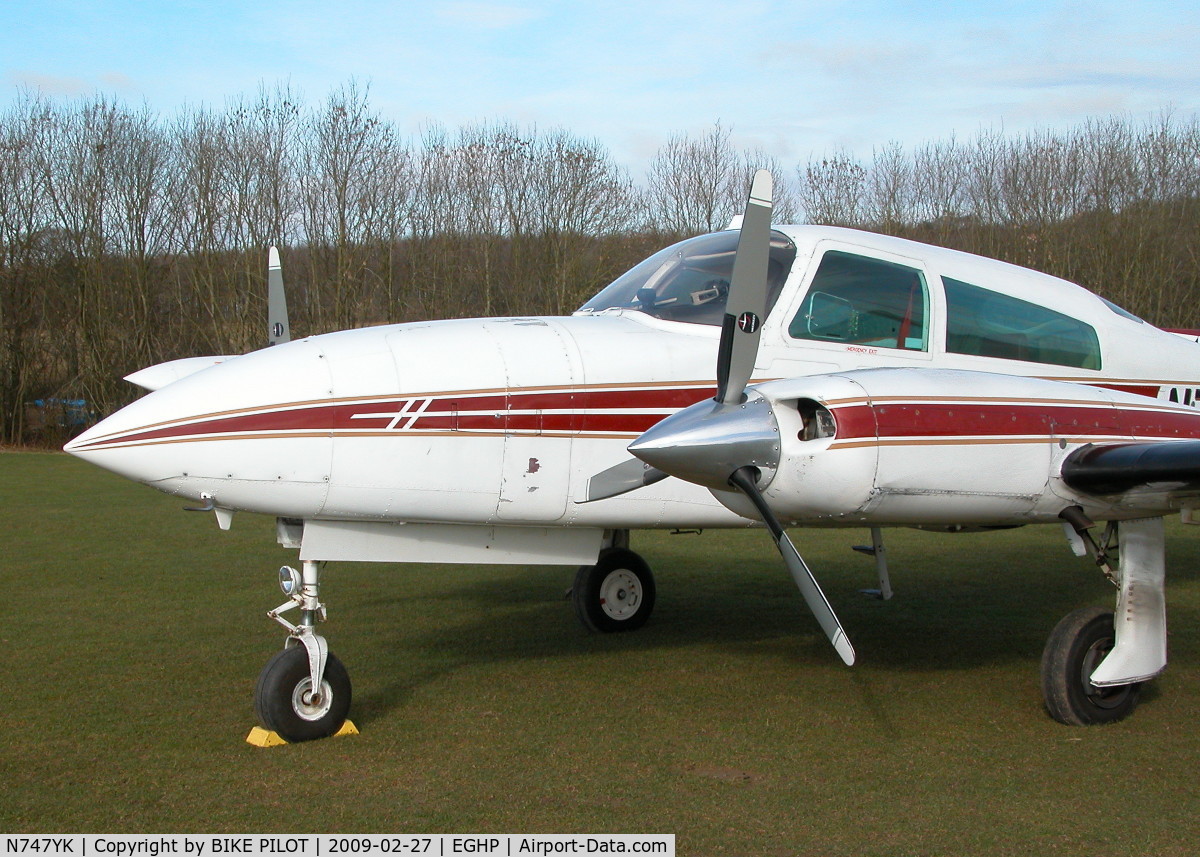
133, 633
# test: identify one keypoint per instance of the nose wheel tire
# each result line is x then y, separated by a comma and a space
615, 594
1076, 647
286, 704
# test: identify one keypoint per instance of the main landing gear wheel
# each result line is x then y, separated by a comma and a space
1076, 647
286, 704
615, 594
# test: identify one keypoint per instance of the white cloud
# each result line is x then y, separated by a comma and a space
793, 77
118, 82
49, 84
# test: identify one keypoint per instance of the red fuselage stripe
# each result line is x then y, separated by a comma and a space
973, 419
550, 411
629, 412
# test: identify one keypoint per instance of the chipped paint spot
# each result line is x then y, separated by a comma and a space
534, 466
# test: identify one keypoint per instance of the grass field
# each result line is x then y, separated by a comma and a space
133, 634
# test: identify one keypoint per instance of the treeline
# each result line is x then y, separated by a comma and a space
128, 238
1113, 205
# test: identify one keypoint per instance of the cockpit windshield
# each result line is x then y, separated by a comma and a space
689, 281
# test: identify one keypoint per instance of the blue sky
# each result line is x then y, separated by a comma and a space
798, 79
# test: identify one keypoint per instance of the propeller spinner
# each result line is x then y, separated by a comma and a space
733, 439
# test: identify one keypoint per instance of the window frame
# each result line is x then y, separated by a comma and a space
782, 257
933, 308
1052, 316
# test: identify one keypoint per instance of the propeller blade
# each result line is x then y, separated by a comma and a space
747, 302
745, 480
621, 478
278, 329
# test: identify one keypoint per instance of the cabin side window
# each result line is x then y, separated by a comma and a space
989, 324
867, 302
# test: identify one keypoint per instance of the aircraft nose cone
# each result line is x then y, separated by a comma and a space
212, 431
114, 442
706, 442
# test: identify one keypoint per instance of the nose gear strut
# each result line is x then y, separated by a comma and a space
303, 696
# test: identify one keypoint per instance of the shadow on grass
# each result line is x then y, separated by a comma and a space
962, 603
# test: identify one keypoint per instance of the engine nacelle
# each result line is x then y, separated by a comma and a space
932, 446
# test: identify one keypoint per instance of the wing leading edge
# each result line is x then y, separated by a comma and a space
1171, 465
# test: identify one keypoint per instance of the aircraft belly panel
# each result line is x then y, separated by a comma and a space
237, 474
383, 541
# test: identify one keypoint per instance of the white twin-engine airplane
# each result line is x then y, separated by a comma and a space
860, 380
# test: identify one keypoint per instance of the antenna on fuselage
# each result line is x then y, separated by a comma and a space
278, 329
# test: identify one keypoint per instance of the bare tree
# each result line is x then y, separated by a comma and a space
581, 196
833, 191
26, 235
127, 239
694, 183
351, 158
890, 195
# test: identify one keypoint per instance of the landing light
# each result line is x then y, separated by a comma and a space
289, 580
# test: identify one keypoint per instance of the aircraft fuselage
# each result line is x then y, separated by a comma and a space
503, 421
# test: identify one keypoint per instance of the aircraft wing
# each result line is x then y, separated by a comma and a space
1171, 466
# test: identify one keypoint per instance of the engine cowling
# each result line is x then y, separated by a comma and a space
940, 447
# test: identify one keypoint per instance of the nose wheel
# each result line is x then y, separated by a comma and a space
287, 705
303, 692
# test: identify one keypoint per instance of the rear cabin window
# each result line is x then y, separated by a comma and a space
863, 301
988, 324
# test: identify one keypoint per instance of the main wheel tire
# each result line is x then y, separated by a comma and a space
615, 594
284, 703
1075, 648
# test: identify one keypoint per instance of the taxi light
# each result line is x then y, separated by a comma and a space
289, 580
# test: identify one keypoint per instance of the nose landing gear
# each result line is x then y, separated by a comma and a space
303, 692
